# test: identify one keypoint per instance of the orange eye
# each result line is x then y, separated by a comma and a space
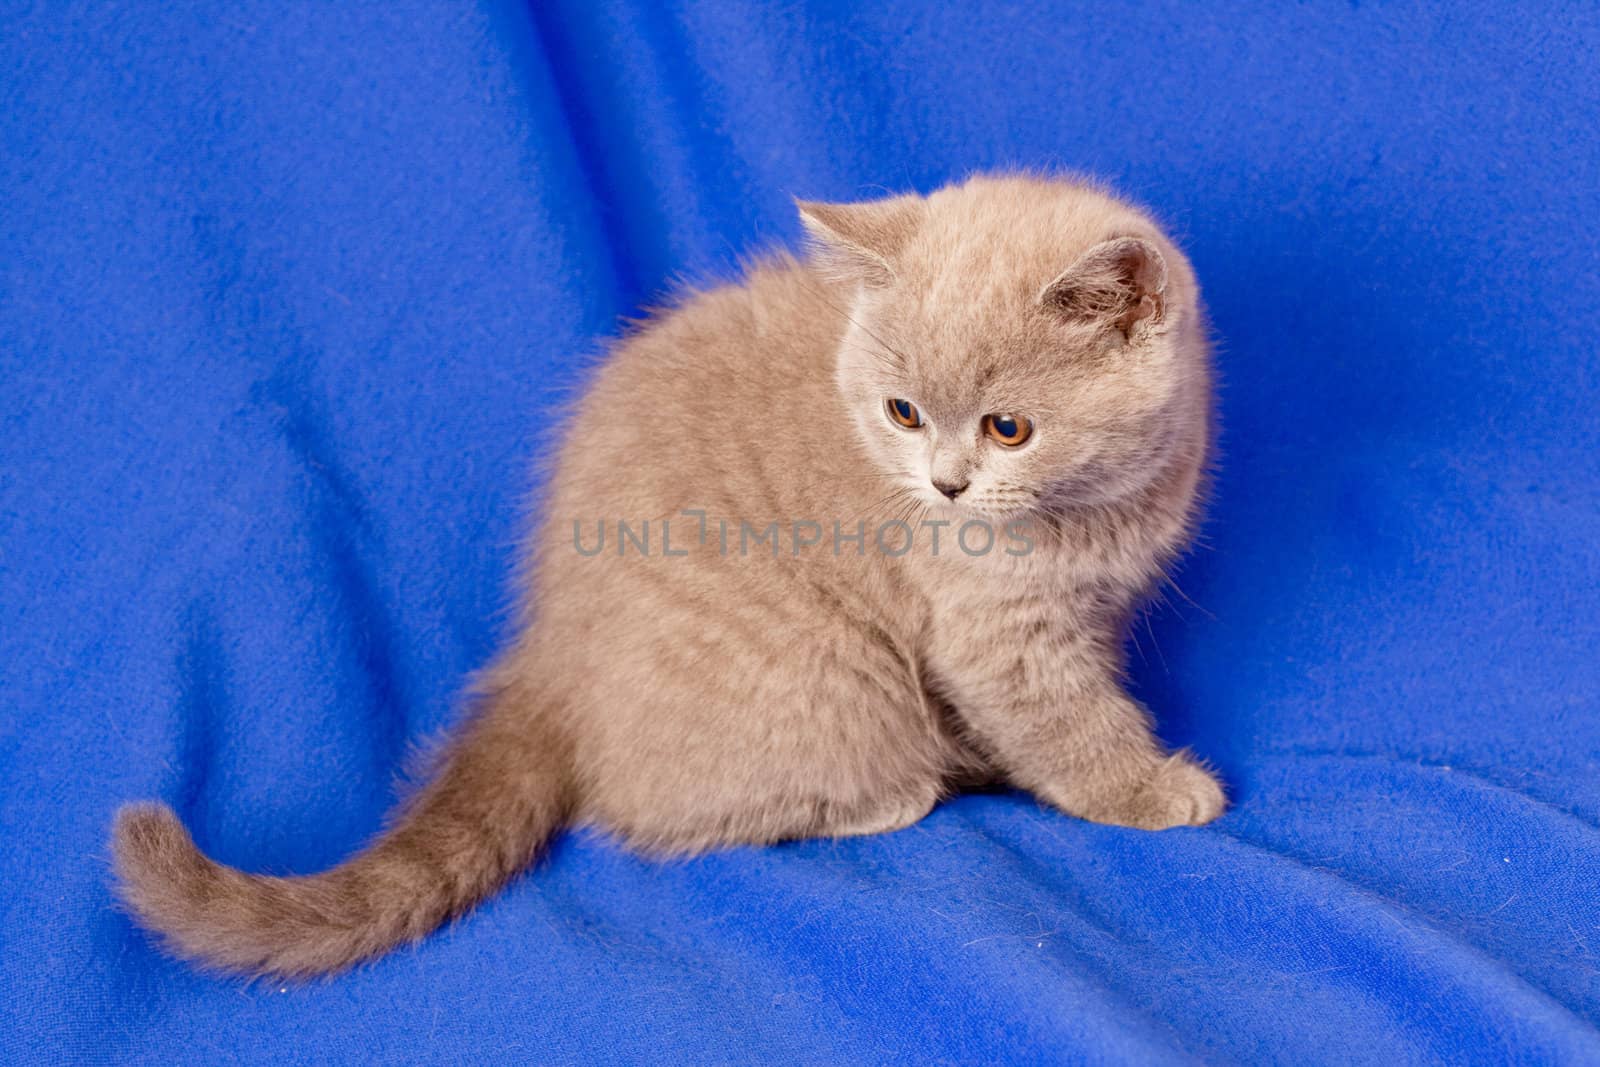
903, 412
1009, 430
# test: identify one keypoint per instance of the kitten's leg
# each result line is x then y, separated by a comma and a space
893, 814
1056, 721
828, 739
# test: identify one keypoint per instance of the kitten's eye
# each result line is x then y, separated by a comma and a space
904, 412
1009, 430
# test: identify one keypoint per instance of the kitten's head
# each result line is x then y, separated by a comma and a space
1015, 344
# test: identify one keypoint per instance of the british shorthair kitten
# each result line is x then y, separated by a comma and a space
853, 532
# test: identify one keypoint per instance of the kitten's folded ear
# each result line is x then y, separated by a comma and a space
859, 242
1120, 284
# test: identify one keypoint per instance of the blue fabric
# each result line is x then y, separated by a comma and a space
290, 295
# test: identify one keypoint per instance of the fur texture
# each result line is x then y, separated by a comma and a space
703, 684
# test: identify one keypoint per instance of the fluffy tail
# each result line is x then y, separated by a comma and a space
500, 793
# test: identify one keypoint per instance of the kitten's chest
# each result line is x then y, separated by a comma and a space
1020, 585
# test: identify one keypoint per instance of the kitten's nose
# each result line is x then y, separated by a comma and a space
950, 489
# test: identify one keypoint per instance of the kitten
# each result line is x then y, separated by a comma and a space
738, 627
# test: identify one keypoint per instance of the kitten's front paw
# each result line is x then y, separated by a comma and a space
1180, 793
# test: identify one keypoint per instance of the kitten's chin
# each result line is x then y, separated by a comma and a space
995, 513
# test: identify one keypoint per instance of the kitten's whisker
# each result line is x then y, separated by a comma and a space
1169, 580
872, 507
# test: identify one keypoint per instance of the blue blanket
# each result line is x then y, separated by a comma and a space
290, 296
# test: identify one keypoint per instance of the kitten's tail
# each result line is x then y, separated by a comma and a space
502, 790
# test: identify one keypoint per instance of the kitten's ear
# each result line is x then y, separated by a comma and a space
1120, 283
860, 241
